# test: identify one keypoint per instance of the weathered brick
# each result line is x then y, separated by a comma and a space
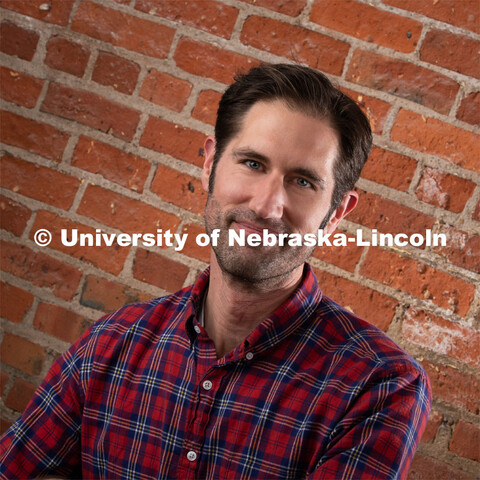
13, 216
179, 142
19, 395
4, 376
292, 7
40, 269
129, 216
389, 168
206, 108
22, 354
33, 136
67, 56
116, 72
113, 164
418, 279
429, 135
208, 15
297, 43
451, 51
444, 190
15, 302
160, 271
110, 259
91, 110
403, 79
369, 304
206, 60
442, 336
466, 440
123, 30
357, 19
435, 419
387, 216
58, 11
464, 14
19, 88
179, 188
59, 322
476, 213
422, 468
108, 296
35, 181
166, 90
192, 249
18, 41
469, 108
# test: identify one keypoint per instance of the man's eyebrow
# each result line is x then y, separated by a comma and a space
247, 152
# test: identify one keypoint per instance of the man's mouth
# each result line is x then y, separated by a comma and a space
251, 227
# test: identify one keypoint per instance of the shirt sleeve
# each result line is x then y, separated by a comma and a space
378, 436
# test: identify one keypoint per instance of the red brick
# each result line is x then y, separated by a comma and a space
464, 14
344, 257
462, 249
22, 354
91, 110
13, 216
115, 165
15, 302
469, 108
165, 90
466, 440
33, 136
116, 72
444, 190
296, 43
292, 7
206, 60
123, 30
19, 88
129, 216
179, 142
108, 296
403, 79
40, 183
429, 135
59, 322
442, 336
208, 15
434, 421
369, 304
451, 51
387, 216
476, 213
160, 271
418, 279
180, 189
206, 108
40, 269
67, 56
375, 109
15, 40
3, 381
57, 13
390, 169
110, 259
20, 395
422, 468
368, 23
192, 249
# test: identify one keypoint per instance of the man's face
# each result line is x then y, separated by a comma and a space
275, 174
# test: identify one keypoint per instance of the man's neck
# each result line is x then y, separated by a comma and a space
233, 310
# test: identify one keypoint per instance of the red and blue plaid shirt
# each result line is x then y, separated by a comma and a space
313, 392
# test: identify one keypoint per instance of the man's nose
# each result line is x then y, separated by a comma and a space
268, 199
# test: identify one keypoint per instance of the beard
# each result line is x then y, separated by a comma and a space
254, 266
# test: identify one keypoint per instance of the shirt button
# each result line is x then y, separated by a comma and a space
207, 385
249, 356
191, 455
197, 328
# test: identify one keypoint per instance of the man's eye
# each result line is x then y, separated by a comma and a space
303, 183
253, 164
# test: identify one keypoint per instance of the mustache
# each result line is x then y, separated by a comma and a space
241, 215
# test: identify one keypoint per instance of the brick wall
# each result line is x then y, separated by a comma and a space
105, 108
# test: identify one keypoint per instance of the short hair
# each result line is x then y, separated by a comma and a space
310, 92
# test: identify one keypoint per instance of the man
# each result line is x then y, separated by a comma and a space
252, 373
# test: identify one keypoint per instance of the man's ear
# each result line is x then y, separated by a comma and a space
348, 203
209, 149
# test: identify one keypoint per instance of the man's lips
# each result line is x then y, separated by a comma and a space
252, 227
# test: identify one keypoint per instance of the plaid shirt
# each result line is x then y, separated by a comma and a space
313, 392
